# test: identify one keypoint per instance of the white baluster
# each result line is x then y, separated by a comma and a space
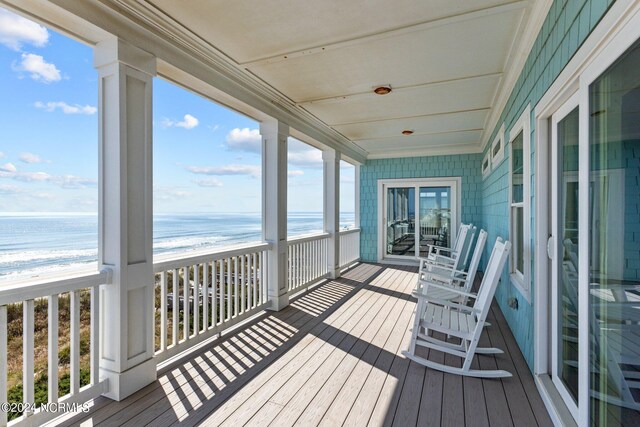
186, 307
27, 353
205, 296
3, 362
196, 300
163, 311
95, 335
236, 298
176, 307
75, 342
52, 349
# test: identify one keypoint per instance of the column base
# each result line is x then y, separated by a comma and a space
124, 384
279, 302
334, 273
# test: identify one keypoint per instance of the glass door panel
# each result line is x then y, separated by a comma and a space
614, 245
400, 221
435, 218
565, 261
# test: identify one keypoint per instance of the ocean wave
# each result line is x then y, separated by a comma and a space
15, 257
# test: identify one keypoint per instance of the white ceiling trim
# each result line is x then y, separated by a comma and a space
410, 117
441, 150
523, 48
395, 90
519, 4
417, 134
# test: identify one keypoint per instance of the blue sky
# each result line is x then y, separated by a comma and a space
206, 157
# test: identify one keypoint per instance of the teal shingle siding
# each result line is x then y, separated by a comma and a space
565, 28
485, 202
466, 166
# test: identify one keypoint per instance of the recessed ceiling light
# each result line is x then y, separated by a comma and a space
407, 132
382, 90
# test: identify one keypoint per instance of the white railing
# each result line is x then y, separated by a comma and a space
307, 260
223, 288
43, 304
349, 247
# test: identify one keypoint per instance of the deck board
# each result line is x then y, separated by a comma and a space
333, 357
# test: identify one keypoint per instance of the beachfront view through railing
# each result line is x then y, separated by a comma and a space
54, 323
199, 296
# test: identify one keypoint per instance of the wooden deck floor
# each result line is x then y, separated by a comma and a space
333, 357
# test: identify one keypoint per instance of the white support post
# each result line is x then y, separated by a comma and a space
331, 160
274, 209
356, 194
125, 216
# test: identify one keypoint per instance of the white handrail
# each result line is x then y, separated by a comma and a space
307, 238
32, 288
349, 231
172, 261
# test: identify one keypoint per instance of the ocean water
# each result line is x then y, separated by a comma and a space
32, 244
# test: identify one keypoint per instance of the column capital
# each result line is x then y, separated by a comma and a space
114, 50
270, 127
331, 155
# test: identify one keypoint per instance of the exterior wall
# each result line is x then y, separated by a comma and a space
466, 166
565, 28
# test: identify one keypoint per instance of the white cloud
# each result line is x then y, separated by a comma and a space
73, 182
251, 170
9, 170
2, 155
311, 158
170, 193
8, 167
38, 69
32, 158
295, 173
244, 139
16, 31
209, 182
66, 108
32, 176
188, 122
10, 189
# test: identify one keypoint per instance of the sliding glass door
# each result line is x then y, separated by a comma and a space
417, 213
564, 253
614, 253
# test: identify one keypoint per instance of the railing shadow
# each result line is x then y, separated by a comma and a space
190, 388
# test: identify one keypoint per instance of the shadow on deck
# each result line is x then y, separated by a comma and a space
332, 357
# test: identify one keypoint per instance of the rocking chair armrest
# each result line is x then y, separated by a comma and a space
442, 277
438, 248
441, 261
430, 284
453, 305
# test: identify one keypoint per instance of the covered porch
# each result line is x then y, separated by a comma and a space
332, 357
451, 113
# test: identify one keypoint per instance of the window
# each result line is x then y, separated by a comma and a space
519, 201
497, 148
347, 195
486, 164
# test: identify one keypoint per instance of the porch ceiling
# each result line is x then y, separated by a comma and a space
446, 61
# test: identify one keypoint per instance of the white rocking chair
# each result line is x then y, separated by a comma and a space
460, 321
450, 278
437, 253
458, 255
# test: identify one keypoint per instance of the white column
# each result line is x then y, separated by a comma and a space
331, 160
274, 208
125, 216
356, 195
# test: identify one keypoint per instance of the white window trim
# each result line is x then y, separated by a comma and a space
496, 159
522, 281
456, 184
486, 160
